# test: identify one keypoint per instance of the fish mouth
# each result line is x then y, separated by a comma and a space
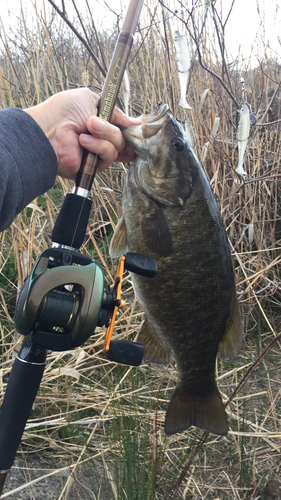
150, 126
153, 117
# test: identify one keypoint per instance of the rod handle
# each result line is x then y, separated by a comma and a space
71, 224
23, 384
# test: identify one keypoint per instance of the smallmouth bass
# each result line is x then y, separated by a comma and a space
191, 307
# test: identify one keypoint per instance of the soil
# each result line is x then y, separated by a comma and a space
49, 488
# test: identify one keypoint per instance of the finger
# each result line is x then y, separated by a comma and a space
119, 118
106, 150
106, 131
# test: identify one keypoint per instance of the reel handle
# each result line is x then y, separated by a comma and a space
124, 351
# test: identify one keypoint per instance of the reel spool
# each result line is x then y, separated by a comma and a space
61, 318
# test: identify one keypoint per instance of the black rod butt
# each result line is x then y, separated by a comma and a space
71, 224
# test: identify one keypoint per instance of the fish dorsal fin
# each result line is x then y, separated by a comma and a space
186, 409
154, 349
119, 240
231, 342
156, 232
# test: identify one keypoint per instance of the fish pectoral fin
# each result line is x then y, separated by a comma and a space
119, 240
156, 232
154, 350
206, 412
231, 342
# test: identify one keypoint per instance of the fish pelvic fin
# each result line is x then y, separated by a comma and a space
231, 342
206, 413
154, 349
119, 240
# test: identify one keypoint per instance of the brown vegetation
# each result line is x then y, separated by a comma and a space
90, 411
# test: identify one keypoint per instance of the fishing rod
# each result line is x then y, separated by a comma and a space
71, 230
64, 298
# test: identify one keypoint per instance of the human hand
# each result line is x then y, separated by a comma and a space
106, 139
67, 118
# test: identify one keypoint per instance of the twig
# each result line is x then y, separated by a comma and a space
214, 74
200, 58
205, 434
266, 111
252, 368
81, 38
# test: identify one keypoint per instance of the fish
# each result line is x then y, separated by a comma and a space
183, 65
191, 311
243, 136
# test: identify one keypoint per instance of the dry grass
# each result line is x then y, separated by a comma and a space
107, 417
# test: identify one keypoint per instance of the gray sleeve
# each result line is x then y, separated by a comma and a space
28, 163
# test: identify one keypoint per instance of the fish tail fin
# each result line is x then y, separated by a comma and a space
184, 104
206, 412
239, 169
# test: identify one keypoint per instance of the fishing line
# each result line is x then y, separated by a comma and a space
253, 118
244, 94
154, 24
78, 220
176, 13
166, 89
172, 77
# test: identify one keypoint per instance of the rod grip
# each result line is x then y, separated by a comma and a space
71, 224
21, 391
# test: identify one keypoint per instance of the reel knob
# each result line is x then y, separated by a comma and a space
125, 352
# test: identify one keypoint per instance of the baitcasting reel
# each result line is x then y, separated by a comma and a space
63, 300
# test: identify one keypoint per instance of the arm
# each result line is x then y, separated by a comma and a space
28, 163
47, 139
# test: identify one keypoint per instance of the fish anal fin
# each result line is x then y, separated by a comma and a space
156, 232
154, 349
119, 239
206, 412
231, 342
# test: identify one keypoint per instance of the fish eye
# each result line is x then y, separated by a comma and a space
177, 144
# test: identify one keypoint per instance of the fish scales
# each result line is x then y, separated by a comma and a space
200, 282
191, 308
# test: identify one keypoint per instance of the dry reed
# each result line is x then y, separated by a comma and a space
91, 414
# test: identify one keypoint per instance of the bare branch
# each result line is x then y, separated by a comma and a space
196, 41
96, 36
81, 38
231, 95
